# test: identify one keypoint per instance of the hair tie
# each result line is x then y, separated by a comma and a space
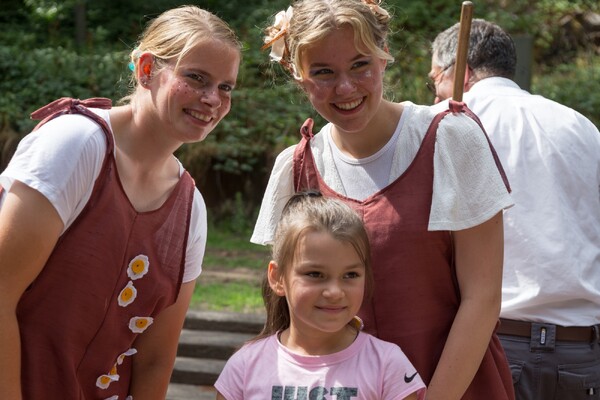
135, 54
357, 323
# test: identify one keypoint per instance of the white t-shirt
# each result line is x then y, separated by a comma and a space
551, 155
369, 174
62, 160
368, 369
467, 187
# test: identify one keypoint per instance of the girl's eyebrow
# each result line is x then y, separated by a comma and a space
321, 65
207, 74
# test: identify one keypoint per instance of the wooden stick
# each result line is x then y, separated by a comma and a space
464, 32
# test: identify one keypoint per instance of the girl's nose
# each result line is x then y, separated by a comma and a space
211, 96
333, 290
345, 85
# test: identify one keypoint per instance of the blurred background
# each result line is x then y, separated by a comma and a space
79, 48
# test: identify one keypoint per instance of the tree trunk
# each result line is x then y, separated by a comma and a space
80, 23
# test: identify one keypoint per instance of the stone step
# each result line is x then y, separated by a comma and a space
178, 391
207, 340
210, 344
224, 322
196, 371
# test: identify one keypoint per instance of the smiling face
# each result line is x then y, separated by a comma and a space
344, 85
193, 98
324, 287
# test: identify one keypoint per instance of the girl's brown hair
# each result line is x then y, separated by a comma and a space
311, 212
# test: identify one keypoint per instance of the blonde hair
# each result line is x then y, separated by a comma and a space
312, 20
311, 212
175, 32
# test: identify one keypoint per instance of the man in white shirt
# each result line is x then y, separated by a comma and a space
550, 317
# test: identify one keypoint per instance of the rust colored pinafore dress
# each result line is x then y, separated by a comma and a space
416, 294
110, 274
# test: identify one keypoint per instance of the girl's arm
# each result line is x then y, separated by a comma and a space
220, 396
29, 230
157, 349
479, 256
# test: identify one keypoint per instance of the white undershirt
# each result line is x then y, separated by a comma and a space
365, 176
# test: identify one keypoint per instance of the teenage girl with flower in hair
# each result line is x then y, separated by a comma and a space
102, 231
425, 181
311, 346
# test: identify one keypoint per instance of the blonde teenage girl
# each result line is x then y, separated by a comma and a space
425, 182
102, 231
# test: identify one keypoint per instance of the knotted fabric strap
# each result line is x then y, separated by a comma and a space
67, 105
456, 106
307, 134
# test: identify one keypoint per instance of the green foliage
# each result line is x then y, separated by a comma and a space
237, 297
236, 215
40, 61
564, 84
233, 268
223, 240
40, 75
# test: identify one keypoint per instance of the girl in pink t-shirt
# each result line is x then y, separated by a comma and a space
312, 346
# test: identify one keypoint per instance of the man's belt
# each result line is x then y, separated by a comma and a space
563, 333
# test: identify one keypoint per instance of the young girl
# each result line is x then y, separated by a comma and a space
312, 345
102, 232
423, 179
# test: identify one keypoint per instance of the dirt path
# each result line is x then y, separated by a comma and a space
225, 275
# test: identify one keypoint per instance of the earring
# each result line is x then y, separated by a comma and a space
146, 74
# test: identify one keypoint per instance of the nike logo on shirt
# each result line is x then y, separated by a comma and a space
409, 379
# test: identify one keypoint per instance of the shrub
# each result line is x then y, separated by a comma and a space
40, 61
576, 85
36, 77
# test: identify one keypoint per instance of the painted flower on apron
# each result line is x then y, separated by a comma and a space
127, 295
138, 267
140, 324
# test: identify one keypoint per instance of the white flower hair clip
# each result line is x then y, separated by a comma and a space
276, 37
375, 7
276, 40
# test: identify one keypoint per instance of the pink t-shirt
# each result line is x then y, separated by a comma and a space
368, 369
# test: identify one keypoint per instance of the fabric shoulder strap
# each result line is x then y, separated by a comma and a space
461, 107
67, 105
301, 158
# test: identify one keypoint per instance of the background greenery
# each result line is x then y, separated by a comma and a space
233, 269
79, 48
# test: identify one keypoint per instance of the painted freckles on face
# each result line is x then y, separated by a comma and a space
344, 84
199, 90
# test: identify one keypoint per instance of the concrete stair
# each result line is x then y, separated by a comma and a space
207, 340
